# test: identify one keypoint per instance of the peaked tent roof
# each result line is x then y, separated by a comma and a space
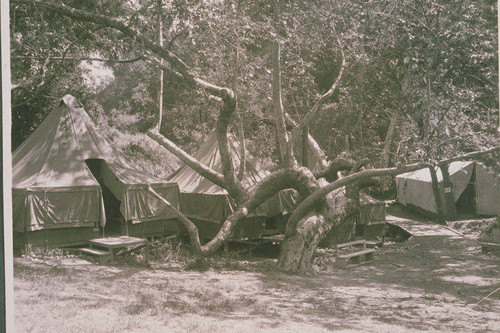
193, 186
54, 154
415, 188
192, 182
425, 175
53, 158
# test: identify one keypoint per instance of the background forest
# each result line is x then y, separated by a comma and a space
420, 82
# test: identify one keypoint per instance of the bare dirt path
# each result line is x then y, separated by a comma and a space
429, 283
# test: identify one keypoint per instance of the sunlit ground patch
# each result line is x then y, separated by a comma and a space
472, 280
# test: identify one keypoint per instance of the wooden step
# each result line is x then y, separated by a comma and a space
356, 242
372, 244
104, 256
357, 254
354, 258
486, 247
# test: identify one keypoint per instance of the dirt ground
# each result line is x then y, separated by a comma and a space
435, 281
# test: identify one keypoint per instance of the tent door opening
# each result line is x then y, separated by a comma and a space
466, 203
114, 218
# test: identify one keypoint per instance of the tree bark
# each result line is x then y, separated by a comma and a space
160, 99
302, 240
386, 153
437, 196
451, 211
298, 248
286, 152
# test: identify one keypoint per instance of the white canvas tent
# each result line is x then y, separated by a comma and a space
475, 190
54, 187
202, 200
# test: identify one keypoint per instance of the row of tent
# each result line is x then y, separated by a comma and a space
71, 185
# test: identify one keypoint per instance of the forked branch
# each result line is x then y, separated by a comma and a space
296, 132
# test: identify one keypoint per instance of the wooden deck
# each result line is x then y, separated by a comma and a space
109, 244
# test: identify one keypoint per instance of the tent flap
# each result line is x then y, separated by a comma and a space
141, 205
54, 187
46, 210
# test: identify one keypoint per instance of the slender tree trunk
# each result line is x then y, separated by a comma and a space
361, 74
160, 99
437, 196
305, 147
284, 148
427, 115
451, 211
386, 153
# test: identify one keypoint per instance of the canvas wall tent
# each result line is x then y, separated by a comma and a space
475, 190
208, 204
368, 222
64, 170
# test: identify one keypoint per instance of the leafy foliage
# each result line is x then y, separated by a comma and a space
434, 64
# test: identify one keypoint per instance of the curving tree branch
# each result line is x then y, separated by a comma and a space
179, 69
303, 208
296, 132
300, 179
214, 176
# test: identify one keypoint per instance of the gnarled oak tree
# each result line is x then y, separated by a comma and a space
314, 217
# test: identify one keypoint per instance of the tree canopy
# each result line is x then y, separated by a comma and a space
435, 64
392, 82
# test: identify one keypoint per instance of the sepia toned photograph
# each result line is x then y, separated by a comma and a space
251, 166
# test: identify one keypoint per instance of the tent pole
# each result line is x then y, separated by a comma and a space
160, 102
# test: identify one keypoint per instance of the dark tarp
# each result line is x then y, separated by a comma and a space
53, 186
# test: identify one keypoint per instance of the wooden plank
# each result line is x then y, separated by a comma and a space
275, 238
356, 254
371, 244
490, 244
356, 242
115, 242
95, 251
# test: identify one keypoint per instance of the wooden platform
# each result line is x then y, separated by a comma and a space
104, 256
354, 258
104, 247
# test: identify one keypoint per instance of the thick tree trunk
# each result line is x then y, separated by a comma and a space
300, 243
